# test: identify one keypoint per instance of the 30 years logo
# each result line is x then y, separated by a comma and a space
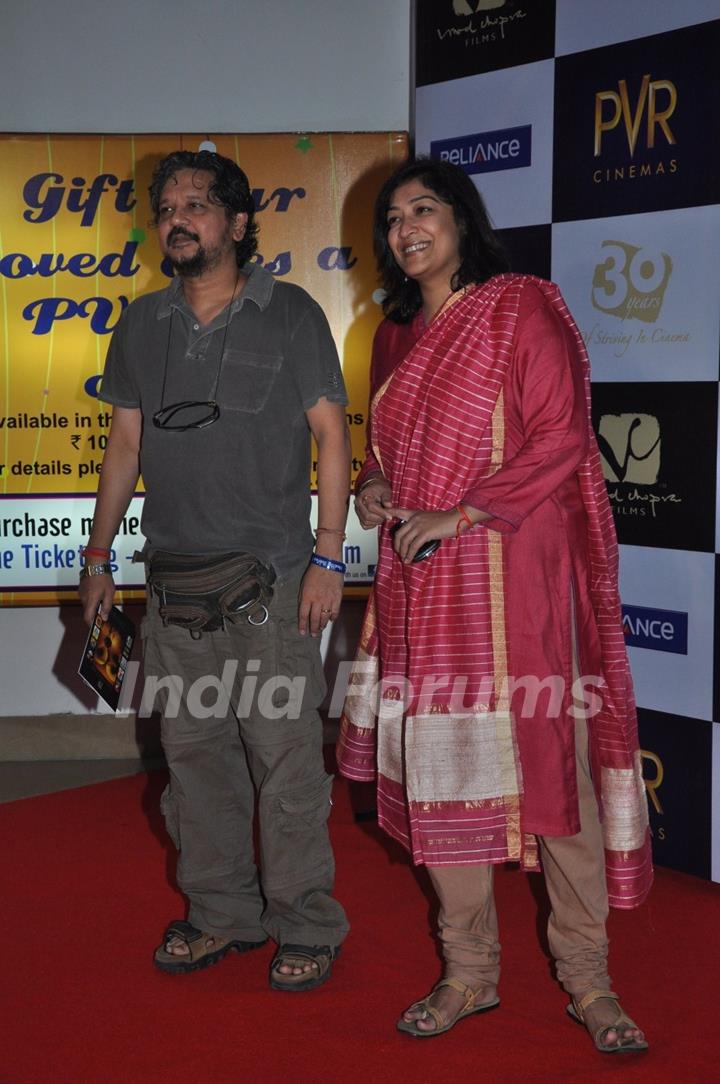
630, 281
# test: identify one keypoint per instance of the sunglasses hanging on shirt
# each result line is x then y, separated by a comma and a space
192, 414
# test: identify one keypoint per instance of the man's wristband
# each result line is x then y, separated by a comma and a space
95, 570
327, 562
96, 551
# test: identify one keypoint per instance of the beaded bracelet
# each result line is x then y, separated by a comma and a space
327, 562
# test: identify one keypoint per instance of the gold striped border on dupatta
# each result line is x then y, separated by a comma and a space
504, 730
361, 699
625, 820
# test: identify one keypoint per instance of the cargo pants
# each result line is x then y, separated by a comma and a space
241, 733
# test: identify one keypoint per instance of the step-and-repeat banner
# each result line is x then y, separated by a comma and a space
590, 131
77, 246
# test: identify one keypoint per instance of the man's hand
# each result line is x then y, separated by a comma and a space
96, 591
372, 501
320, 597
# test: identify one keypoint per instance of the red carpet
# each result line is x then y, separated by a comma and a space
87, 897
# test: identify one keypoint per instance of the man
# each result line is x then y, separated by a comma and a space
217, 383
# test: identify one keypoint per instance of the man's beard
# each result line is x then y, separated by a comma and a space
197, 264
193, 266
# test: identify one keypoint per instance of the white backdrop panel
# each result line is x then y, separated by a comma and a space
496, 101
683, 583
586, 24
643, 290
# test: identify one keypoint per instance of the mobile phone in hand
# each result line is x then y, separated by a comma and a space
426, 550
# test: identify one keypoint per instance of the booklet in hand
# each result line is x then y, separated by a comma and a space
106, 654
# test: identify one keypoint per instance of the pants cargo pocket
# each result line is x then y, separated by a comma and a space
300, 662
169, 810
296, 848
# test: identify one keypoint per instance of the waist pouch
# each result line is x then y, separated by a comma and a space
201, 593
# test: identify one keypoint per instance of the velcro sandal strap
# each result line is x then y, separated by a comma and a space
183, 930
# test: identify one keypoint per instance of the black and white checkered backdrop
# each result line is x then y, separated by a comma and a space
591, 131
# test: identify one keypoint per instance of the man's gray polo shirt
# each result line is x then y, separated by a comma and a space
243, 482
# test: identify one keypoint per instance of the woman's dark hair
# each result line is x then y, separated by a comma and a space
230, 189
481, 254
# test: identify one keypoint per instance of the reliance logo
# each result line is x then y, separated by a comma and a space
486, 152
659, 630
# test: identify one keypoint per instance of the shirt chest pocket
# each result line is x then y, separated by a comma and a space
247, 380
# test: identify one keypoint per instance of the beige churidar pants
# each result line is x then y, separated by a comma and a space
574, 868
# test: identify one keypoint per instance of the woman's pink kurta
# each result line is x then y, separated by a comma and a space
490, 406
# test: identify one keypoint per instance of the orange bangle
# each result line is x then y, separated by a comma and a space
463, 516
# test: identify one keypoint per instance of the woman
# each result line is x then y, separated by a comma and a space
505, 715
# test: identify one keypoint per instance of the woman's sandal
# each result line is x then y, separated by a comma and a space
576, 1009
320, 956
441, 1024
204, 949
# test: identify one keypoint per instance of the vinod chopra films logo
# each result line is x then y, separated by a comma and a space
630, 453
642, 121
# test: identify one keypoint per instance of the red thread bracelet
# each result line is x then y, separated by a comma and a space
463, 516
94, 552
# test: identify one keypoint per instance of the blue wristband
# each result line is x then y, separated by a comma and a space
327, 562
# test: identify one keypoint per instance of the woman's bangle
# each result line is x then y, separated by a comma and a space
368, 482
327, 562
464, 517
330, 530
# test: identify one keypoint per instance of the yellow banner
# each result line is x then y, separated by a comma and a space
77, 246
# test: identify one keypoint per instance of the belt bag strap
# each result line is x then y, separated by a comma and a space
201, 592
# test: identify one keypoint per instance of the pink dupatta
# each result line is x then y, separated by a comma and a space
445, 752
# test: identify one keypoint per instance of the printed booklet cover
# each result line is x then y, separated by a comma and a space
106, 654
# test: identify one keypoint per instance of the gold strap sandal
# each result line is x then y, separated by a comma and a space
441, 1023
576, 1009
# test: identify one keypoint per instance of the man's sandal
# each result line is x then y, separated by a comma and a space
441, 1024
576, 1009
203, 949
320, 956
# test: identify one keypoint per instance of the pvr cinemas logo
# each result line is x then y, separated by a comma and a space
653, 785
658, 630
655, 104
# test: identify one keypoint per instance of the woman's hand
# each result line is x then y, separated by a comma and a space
372, 501
421, 527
